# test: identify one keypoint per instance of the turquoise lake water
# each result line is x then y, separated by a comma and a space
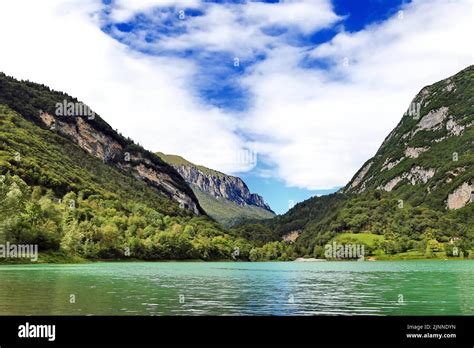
239, 288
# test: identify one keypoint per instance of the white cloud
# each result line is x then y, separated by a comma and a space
123, 10
219, 30
234, 28
307, 16
316, 129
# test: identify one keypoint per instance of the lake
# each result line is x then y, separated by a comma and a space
239, 288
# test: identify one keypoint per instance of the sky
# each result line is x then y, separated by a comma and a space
292, 96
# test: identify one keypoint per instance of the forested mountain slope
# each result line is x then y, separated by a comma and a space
416, 193
73, 185
38, 104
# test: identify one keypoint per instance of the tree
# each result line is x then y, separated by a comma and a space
13, 198
72, 240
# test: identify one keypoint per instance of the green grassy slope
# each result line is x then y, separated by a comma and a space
180, 161
227, 212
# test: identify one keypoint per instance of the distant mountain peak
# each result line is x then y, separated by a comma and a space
219, 186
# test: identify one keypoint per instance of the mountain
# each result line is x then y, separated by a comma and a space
414, 195
428, 156
224, 197
39, 104
75, 187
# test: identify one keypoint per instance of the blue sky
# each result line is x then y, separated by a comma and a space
316, 87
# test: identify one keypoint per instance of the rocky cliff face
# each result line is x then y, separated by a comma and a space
225, 198
220, 185
430, 150
128, 158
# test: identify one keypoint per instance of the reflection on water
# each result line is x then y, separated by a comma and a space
272, 288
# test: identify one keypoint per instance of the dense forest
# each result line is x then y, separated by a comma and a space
99, 228
403, 227
96, 227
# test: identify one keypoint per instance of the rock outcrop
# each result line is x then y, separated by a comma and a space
225, 198
110, 148
219, 185
460, 196
222, 186
414, 176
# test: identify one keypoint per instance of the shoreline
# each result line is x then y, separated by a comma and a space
78, 261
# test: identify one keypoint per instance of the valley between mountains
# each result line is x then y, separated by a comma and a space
81, 191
